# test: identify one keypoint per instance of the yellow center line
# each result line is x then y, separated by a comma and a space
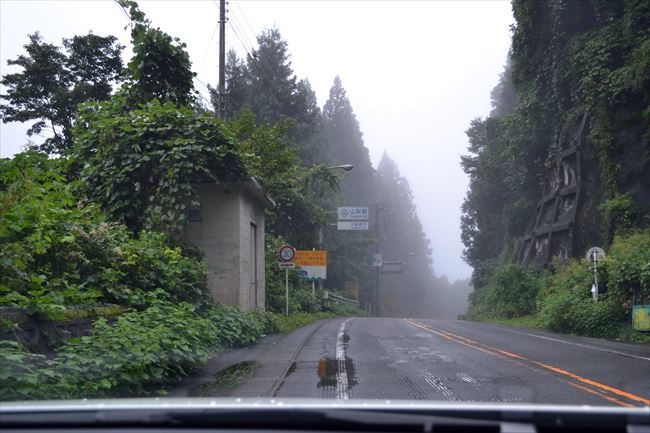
495, 351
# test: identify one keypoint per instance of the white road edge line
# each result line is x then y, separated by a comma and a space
341, 375
586, 346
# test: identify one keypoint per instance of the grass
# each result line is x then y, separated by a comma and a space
626, 333
287, 324
530, 321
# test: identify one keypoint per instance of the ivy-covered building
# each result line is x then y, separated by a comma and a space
229, 228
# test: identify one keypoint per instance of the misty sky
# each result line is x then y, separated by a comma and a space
416, 73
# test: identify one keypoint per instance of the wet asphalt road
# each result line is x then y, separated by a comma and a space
446, 360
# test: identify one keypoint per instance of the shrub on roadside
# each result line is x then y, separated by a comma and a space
136, 355
58, 251
628, 266
511, 292
566, 305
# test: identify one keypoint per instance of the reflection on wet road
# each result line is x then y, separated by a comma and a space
462, 361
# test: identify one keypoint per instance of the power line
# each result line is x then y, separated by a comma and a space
240, 41
242, 30
246, 19
207, 49
201, 94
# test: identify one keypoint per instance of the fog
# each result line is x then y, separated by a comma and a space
416, 73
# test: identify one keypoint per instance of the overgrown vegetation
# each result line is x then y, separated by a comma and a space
567, 58
93, 233
136, 355
562, 301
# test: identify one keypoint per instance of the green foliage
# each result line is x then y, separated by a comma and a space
401, 238
140, 164
562, 301
511, 292
567, 304
148, 263
160, 67
52, 83
287, 324
50, 244
628, 266
266, 85
619, 214
567, 58
136, 355
296, 189
58, 252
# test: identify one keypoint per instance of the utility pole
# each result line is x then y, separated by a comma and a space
221, 88
377, 296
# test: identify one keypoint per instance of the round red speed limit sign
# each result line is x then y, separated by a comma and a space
286, 253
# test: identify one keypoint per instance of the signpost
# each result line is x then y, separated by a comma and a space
392, 267
313, 266
286, 255
352, 218
353, 213
352, 225
594, 255
313, 263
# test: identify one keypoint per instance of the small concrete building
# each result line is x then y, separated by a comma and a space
228, 228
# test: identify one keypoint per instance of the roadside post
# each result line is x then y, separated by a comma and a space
286, 255
594, 255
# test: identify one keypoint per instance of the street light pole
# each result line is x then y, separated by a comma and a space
377, 296
344, 167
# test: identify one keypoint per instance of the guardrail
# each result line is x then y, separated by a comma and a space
331, 297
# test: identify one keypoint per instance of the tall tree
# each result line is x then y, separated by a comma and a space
53, 82
341, 142
402, 239
345, 146
267, 86
160, 67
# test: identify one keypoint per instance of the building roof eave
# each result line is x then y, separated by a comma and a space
255, 189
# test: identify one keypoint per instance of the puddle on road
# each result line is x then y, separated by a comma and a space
224, 381
329, 369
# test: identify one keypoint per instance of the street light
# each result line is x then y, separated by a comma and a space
346, 167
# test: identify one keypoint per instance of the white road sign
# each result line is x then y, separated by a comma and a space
286, 253
353, 213
352, 225
595, 253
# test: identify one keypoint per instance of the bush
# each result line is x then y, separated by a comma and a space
619, 214
136, 355
58, 251
147, 263
629, 266
511, 292
567, 304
